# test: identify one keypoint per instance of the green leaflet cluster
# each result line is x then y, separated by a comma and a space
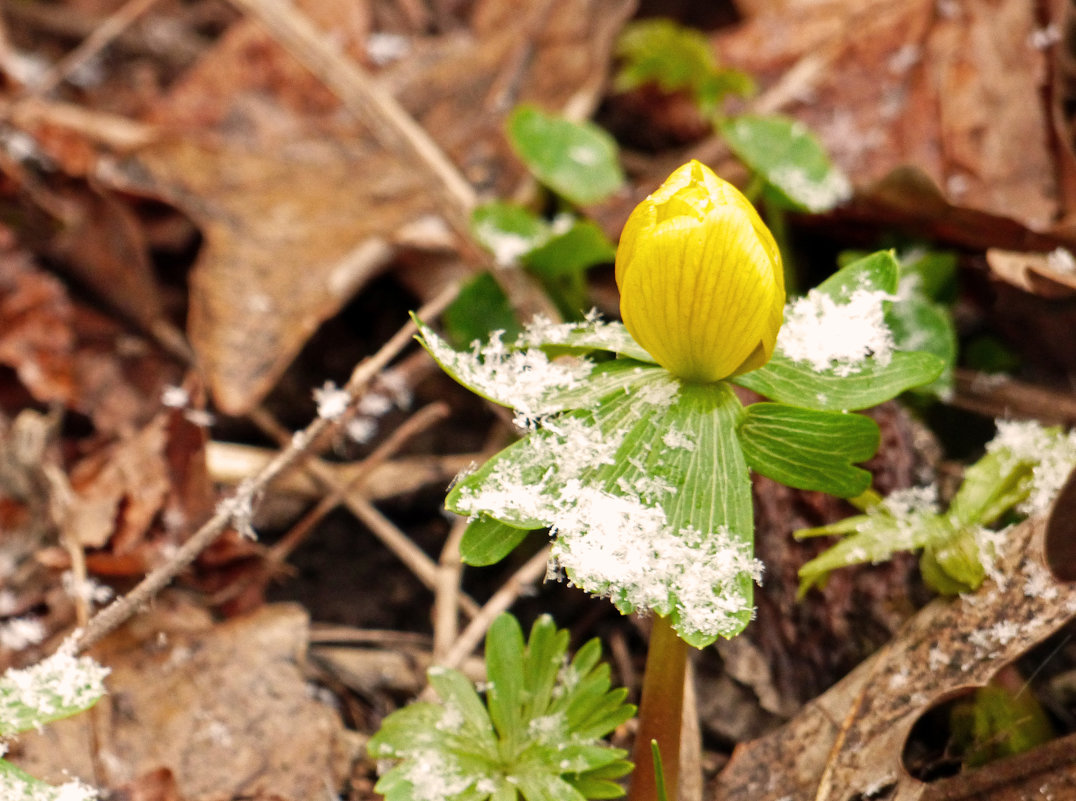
537, 734
644, 479
1021, 473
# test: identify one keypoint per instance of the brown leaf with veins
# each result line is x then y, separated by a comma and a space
225, 709
954, 91
298, 205
847, 743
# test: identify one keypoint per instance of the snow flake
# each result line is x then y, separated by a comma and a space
1052, 454
1061, 260
19, 632
332, 401
677, 440
519, 378
837, 336
816, 196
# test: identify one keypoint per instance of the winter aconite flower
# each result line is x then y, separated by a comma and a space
700, 278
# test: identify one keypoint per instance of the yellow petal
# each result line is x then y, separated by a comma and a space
700, 278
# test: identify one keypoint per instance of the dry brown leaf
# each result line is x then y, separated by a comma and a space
1047, 773
119, 490
225, 708
103, 245
299, 207
36, 339
157, 785
953, 90
847, 743
1048, 275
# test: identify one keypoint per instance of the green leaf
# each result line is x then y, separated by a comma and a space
58, 687
920, 325
800, 384
809, 449
675, 58
582, 246
953, 565
877, 272
494, 371
487, 541
480, 308
18, 785
790, 159
504, 664
612, 337
539, 785
546, 648
508, 231
457, 692
455, 747
662, 525
786, 381
991, 487
877, 537
578, 161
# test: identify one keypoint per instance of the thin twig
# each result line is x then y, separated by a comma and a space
446, 596
398, 132
120, 610
93, 44
387, 120
1001, 396
100, 127
384, 529
520, 581
276, 556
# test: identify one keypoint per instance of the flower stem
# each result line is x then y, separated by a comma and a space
660, 713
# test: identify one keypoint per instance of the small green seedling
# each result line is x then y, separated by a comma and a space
538, 733
1021, 473
637, 451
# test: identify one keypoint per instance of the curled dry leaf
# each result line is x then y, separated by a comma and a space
1049, 275
847, 743
120, 490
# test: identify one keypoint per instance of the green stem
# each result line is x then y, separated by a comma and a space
660, 713
777, 219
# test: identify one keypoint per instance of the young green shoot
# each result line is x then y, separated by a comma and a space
639, 465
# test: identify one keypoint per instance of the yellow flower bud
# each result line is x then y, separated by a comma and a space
700, 278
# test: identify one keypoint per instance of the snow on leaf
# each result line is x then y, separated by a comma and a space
1051, 451
840, 337
54, 688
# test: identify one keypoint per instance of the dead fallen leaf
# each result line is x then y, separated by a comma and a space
953, 90
119, 490
156, 785
847, 743
36, 339
1048, 275
103, 245
299, 207
224, 708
